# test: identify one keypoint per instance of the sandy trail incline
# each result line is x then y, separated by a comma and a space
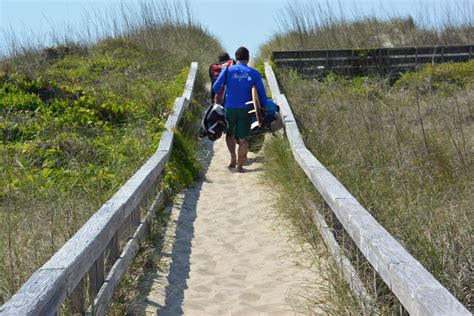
226, 254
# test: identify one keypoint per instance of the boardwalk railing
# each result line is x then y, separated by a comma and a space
89, 265
416, 289
383, 61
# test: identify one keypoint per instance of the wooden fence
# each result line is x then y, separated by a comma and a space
416, 289
90, 264
357, 62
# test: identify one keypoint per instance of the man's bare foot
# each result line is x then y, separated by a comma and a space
240, 168
232, 164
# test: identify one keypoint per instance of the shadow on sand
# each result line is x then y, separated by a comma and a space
179, 253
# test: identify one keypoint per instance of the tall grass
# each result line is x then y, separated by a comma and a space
79, 118
307, 25
403, 150
296, 200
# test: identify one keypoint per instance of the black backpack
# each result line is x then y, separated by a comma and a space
213, 123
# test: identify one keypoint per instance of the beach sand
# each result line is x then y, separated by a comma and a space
226, 253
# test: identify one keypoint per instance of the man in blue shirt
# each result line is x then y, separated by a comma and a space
239, 80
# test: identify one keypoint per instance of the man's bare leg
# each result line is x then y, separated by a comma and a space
242, 153
230, 141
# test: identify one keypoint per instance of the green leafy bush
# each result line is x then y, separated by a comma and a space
447, 77
75, 123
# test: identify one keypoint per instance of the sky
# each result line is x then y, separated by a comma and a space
234, 22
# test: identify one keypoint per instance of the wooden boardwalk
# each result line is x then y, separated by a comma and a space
385, 61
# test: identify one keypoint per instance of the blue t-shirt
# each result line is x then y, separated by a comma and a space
240, 79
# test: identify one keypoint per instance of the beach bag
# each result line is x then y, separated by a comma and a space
213, 123
271, 119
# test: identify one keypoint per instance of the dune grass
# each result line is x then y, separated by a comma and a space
79, 118
404, 150
305, 25
296, 199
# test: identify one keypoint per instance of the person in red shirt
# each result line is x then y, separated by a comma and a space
224, 60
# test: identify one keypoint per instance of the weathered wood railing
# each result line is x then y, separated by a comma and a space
416, 289
93, 257
384, 61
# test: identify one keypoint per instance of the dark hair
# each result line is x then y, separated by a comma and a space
242, 53
223, 57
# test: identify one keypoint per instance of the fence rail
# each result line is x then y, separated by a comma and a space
416, 289
384, 61
90, 264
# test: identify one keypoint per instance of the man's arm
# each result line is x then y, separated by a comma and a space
262, 94
220, 81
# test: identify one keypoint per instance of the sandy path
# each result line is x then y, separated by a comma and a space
226, 254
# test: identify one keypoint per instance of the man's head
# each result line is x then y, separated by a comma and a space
223, 57
242, 54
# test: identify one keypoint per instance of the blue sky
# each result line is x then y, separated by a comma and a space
234, 22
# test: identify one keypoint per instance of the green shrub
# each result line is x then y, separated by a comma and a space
14, 98
447, 77
75, 124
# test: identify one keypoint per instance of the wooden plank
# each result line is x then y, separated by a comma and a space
297, 54
458, 49
178, 109
418, 291
88, 243
42, 295
392, 51
189, 86
429, 50
114, 250
105, 294
315, 64
409, 51
310, 54
344, 53
423, 59
47, 288
166, 142
135, 216
402, 68
78, 299
96, 276
298, 64
341, 66
271, 80
157, 203
349, 273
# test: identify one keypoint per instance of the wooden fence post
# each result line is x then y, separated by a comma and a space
113, 251
96, 276
78, 299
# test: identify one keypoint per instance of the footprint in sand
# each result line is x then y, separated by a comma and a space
239, 277
202, 288
205, 272
248, 296
235, 221
265, 285
202, 257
